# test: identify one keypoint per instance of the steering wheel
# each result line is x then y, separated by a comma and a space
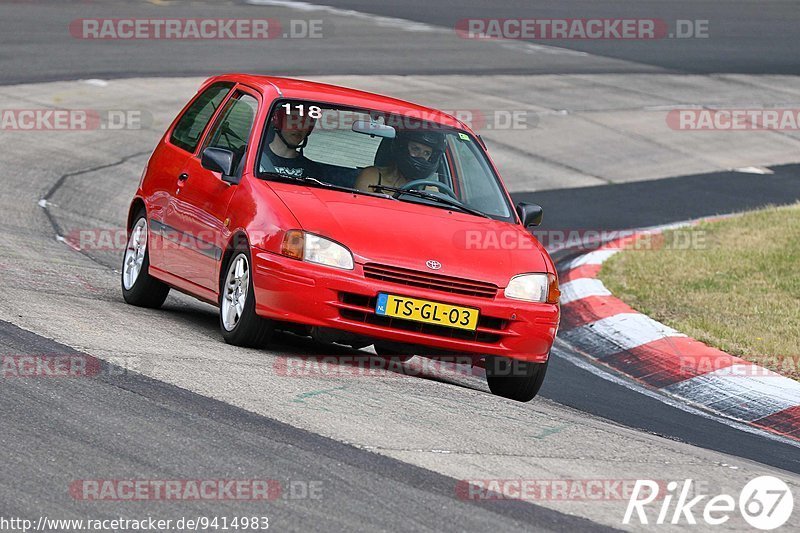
420, 184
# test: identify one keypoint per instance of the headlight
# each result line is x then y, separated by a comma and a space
326, 252
541, 288
315, 249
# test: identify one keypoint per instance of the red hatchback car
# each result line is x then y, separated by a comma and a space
356, 218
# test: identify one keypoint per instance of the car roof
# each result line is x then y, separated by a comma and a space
293, 88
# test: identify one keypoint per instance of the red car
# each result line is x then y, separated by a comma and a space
353, 217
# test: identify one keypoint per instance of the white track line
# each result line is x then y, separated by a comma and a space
416, 27
593, 242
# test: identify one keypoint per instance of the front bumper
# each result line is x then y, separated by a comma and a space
314, 295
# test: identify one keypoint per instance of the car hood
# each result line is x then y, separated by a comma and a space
406, 234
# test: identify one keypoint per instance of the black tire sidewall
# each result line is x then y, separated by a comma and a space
251, 330
521, 388
146, 291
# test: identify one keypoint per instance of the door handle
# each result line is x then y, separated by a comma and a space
183, 177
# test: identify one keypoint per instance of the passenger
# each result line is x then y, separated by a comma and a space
415, 155
287, 136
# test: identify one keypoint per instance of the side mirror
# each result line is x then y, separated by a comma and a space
219, 160
531, 214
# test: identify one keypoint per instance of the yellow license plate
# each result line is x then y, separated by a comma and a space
426, 311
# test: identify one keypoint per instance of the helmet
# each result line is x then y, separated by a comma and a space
281, 120
417, 167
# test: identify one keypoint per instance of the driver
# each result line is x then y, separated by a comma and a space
287, 136
415, 155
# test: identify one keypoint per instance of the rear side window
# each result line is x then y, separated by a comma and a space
190, 126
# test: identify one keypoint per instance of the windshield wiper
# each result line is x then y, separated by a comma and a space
308, 180
302, 179
452, 202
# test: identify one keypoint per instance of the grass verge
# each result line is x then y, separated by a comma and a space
733, 284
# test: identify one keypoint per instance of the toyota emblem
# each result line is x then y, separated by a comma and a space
433, 265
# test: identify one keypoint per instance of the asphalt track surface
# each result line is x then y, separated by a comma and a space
55, 432
167, 430
749, 36
653, 203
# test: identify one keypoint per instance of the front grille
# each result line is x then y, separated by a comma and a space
414, 278
366, 314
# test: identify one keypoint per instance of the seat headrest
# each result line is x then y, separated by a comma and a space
383, 156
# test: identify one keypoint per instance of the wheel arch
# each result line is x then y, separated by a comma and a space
238, 239
136, 205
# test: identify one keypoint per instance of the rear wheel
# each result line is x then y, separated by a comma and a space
514, 379
138, 286
240, 324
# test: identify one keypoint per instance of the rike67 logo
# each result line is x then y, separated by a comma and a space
765, 503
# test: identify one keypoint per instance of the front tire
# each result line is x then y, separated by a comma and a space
514, 379
238, 321
139, 288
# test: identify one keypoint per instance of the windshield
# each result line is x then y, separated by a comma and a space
375, 152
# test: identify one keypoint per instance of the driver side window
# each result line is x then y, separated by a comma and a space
232, 129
